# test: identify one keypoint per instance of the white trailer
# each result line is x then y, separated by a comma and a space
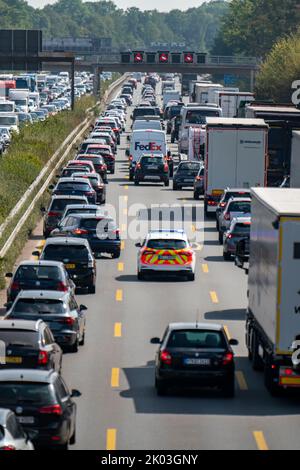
273, 317
197, 137
230, 101
235, 156
295, 160
21, 98
202, 90
170, 95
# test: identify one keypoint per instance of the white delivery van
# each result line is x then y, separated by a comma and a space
194, 116
273, 320
202, 89
146, 141
10, 121
170, 95
235, 157
230, 101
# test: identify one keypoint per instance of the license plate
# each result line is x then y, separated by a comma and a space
13, 360
70, 266
197, 362
166, 258
153, 167
152, 177
25, 419
188, 181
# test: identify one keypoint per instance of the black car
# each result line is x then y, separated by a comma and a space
37, 275
101, 232
75, 186
42, 403
228, 194
77, 257
98, 162
185, 174
193, 354
52, 216
144, 111
70, 171
97, 184
29, 345
59, 310
152, 168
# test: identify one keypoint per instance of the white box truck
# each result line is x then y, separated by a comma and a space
230, 101
21, 98
273, 317
202, 91
235, 156
295, 160
170, 95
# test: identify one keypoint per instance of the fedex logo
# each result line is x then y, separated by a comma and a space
151, 147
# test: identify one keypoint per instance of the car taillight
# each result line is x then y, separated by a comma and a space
189, 254
131, 158
212, 203
116, 232
53, 214
288, 372
90, 193
8, 448
199, 178
80, 231
227, 359
138, 166
222, 204
61, 287
166, 167
100, 186
15, 286
166, 357
51, 410
43, 358
227, 216
67, 321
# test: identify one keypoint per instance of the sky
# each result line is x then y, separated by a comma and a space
160, 5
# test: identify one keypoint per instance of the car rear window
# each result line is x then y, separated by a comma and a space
73, 186
152, 160
144, 112
35, 273
39, 307
81, 211
19, 337
95, 160
197, 339
66, 253
101, 224
228, 195
242, 228
12, 393
240, 207
197, 116
60, 204
189, 167
68, 172
166, 244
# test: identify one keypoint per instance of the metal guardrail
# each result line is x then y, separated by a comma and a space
71, 139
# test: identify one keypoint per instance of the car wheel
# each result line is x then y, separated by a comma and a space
74, 348
92, 289
116, 255
226, 256
140, 276
161, 388
175, 187
136, 182
167, 183
81, 343
172, 140
73, 439
196, 196
229, 388
221, 238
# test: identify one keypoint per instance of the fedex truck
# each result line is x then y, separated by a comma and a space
146, 141
235, 157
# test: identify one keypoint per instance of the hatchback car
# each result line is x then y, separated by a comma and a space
42, 404
228, 194
59, 310
236, 207
71, 171
195, 354
37, 275
152, 168
166, 253
101, 232
75, 186
106, 152
97, 184
52, 216
29, 345
12, 435
239, 229
77, 257
185, 174
98, 162
81, 209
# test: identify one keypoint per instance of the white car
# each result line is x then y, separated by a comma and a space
12, 435
166, 252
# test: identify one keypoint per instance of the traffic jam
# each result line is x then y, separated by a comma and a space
212, 142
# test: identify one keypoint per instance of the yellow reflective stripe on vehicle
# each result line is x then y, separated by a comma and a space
179, 260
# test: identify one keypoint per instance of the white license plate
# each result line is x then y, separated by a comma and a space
152, 178
188, 181
197, 362
166, 258
25, 419
153, 167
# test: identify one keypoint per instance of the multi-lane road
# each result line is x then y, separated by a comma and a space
119, 408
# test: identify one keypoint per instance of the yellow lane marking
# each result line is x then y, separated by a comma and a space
115, 377
205, 268
193, 228
260, 440
39, 248
111, 439
125, 211
119, 295
127, 177
123, 227
118, 330
125, 198
227, 332
126, 187
122, 245
121, 267
214, 297
241, 380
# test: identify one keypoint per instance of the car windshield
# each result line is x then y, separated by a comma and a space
167, 244
73, 186
240, 207
14, 393
243, 229
196, 339
197, 116
36, 273
19, 338
66, 253
38, 307
60, 204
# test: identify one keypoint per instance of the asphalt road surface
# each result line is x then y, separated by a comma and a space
114, 371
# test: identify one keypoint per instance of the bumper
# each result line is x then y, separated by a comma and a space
82, 279
99, 246
183, 183
176, 270
151, 178
65, 338
194, 378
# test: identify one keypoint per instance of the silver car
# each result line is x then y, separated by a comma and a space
12, 435
240, 228
236, 207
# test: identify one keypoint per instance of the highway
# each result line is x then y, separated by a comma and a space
114, 371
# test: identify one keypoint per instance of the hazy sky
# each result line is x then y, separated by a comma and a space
164, 5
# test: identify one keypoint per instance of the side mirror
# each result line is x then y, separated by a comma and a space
36, 253
155, 341
233, 342
10, 275
43, 210
138, 245
169, 153
127, 153
32, 434
75, 394
131, 116
8, 305
83, 308
51, 187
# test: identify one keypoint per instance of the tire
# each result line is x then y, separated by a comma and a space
257, 364
161, 388
175, 187
92, 289
136, 182
73, 439
75, 347
130, 177
196, 196
172, 140
221, 238
116, 255
191, 277
228, 390
82, 342
226, 256
140, 276
217, 226
167, 184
